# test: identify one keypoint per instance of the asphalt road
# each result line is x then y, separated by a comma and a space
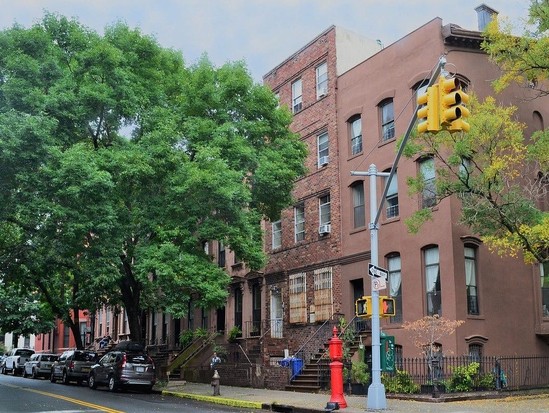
18, 394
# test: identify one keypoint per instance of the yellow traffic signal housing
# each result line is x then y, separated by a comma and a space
451, 101
429, 114
363, 307
387, 307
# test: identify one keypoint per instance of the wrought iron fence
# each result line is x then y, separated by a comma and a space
513, 373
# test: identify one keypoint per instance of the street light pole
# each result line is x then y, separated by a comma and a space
376, 390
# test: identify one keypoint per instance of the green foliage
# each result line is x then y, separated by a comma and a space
463, 378
118, 163
486, 381
234, 333
200, 333
494, 171
401, 382
221, 351
359, 372
186, 337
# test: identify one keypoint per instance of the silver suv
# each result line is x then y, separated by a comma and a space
118, 369
73, 365
15, 360
39, 365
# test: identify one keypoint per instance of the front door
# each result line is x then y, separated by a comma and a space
276, 313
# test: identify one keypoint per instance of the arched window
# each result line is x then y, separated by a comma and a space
395, 284
386, 111
432, 280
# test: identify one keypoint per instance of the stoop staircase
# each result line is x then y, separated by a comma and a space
315, 374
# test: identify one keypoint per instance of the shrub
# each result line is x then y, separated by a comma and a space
234, 333
200, 333
359, 373
186, 338
401, 382
463, 378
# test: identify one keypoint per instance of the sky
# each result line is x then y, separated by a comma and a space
263, 33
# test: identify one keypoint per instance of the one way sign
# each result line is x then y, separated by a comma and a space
377, 272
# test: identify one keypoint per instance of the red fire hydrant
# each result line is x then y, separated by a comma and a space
336, 370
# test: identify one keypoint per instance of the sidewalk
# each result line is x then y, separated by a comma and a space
288, 402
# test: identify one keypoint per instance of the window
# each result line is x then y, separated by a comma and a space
277, 234
321, 80
544, 270
427, 171
221, 255
355, 128
392, 198
297, 96
395, 285
323, 309
298, 298
471, 280
387, 120
432, 280
475, 351
323, 149
299, 223
324, 210
359, 208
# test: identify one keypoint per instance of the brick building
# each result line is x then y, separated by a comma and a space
352, 99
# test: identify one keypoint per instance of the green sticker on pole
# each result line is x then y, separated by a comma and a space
387, 350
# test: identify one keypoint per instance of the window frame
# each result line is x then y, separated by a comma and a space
433, 305
387, 119
323, 148
391, 199
355, 140
428, 193
299, 223
324, 210
276, 234
297, 95
394, 273
471, 279
359, 209
321, 80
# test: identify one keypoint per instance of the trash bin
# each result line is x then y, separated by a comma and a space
296, 365
285, 362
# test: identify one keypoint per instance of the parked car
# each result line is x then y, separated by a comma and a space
39, 365
15, 360
73, 365
123, 369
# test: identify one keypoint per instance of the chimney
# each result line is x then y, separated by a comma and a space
485, 15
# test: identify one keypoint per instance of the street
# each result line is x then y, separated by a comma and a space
19, 394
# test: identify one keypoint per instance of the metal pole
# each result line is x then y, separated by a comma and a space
376, 390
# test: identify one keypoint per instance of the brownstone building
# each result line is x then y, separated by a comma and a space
351, 99
319, 265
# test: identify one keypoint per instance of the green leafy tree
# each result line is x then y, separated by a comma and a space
120, 163
499, 177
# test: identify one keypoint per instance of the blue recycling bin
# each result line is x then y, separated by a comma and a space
296, 365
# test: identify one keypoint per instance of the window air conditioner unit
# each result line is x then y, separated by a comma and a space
324, 229
323, 160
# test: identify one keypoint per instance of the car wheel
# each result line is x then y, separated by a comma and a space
4, 370
92, 384
34, 374
24, 373
65, 378
112, 384
148, 389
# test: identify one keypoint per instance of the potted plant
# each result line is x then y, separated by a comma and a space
234, 333
359, 377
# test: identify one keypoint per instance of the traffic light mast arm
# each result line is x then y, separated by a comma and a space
432, 80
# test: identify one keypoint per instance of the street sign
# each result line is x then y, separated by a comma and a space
378, 284
376, 271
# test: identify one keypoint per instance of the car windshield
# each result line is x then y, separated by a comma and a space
24, 353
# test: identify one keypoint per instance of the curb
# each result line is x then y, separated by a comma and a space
219, 400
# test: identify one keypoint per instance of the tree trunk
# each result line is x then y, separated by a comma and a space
74, 325
131, 294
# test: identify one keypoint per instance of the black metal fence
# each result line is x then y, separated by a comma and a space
513, 373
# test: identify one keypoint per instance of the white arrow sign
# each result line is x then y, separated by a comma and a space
376, 271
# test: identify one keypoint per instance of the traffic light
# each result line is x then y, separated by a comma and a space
451, 101
428, 114
363, 307
386, 307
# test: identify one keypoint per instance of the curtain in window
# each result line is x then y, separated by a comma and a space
470, 276
431, 269
395, 278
